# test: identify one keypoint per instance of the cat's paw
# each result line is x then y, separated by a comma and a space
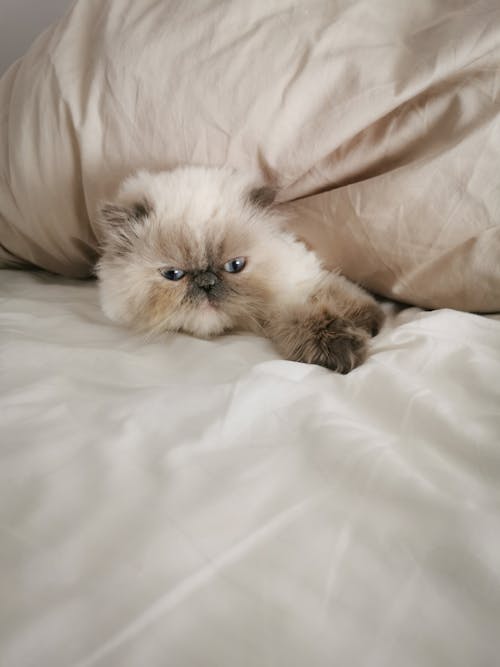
369, 317
325, 340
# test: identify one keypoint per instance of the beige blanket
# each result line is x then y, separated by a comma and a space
378, 120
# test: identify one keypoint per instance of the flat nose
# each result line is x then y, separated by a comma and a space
206, 280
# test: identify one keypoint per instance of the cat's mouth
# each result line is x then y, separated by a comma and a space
208, 319
210, 303
213, 298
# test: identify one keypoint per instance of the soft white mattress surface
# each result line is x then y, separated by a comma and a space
186, 503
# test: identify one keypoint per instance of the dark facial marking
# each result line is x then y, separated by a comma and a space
207, 280
205, 285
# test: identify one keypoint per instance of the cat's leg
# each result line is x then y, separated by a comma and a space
331, 329
349, 301
317, 336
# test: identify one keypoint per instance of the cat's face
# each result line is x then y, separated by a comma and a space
193, 249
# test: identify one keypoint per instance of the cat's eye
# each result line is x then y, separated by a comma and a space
173, 274
235, 265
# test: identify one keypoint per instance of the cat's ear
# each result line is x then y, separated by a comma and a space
117, 215
118, 222
262, 197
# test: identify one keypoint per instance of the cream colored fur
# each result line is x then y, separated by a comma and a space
196, 219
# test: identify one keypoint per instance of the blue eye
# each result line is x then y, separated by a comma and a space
173, 274
235, 265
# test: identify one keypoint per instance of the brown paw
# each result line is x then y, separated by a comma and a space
332, 342
369, 317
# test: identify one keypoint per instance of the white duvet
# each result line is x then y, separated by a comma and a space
184, 503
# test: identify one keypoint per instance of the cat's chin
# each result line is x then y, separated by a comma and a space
209, 321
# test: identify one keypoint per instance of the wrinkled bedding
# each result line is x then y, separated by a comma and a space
206, 504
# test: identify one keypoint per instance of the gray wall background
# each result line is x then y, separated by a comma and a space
21, 21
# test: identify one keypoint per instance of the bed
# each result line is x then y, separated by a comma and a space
184, 502
189, 503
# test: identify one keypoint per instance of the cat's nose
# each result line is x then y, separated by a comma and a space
206, 280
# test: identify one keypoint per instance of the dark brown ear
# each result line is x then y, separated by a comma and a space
263, 196
116, 223
112, 214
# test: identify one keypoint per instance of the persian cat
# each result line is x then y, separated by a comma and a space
200, 250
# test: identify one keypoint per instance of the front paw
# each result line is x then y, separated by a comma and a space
332, 342
369, 317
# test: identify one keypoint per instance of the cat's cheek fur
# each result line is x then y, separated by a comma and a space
134, 295
114, 295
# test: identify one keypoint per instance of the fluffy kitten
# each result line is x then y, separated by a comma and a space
199, 250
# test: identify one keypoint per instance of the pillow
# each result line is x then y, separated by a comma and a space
377, 121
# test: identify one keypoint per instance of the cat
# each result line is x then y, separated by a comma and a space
203, 251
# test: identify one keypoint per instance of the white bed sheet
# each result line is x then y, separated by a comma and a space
186, 503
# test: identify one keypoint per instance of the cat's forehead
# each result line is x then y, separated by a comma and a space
195, 194
196, 216
194, 246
